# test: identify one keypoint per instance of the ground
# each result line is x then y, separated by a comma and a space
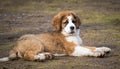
100, 27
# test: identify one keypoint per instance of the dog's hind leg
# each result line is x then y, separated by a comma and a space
37, 54
31, 53
34, 56
43, 56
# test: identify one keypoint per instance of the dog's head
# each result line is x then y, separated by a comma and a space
66, 22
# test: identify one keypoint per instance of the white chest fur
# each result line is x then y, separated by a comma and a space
75, 39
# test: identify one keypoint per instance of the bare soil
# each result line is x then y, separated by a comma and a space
14, 24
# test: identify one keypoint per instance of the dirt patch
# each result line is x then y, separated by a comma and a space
100, 27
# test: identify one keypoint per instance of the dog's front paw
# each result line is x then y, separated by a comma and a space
101, 51
104, 49
98, 54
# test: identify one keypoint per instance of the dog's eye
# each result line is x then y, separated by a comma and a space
73, 21
66, 22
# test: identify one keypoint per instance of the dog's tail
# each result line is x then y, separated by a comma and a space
4, 59
12, 55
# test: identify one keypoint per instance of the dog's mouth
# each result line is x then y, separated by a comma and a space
69, 33
72, 32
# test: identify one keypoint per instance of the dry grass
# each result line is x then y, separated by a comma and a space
100, 27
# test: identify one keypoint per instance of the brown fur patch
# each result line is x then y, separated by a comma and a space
91, 48
58, 44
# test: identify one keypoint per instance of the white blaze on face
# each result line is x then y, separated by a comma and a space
67, 30
69, 19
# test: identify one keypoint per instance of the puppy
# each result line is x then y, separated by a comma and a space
64, 41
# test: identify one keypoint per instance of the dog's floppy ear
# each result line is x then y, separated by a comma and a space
57, 22
78, 21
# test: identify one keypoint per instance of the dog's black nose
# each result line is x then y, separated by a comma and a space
72, 27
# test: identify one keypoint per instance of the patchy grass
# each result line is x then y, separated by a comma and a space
1, 25
100, 27
99, 17
91, 14
101, 37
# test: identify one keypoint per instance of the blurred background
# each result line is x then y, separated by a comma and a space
100, 27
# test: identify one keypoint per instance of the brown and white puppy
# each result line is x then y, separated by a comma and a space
65, 41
